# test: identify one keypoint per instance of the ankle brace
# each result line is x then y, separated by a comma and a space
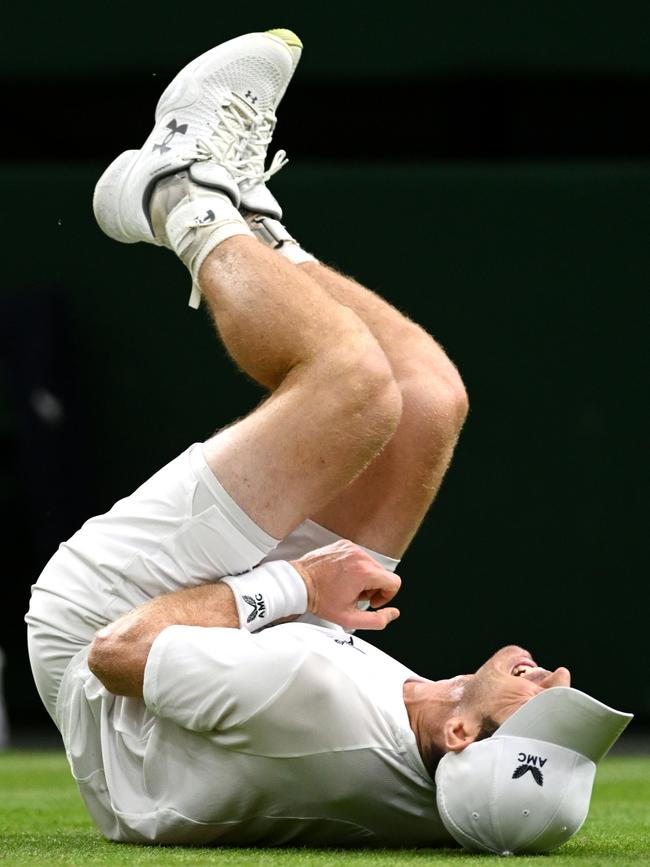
274, 234
192, 220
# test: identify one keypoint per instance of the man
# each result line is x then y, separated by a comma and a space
185, 719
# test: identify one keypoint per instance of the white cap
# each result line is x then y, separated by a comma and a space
528, 787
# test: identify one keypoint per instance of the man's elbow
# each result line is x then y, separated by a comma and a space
111, 661
103, 657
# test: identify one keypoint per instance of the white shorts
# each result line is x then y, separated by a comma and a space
179, 529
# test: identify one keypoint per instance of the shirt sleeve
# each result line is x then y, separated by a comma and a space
215, 678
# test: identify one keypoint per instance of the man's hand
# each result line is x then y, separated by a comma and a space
342, 574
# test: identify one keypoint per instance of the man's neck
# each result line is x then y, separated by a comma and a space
429, 704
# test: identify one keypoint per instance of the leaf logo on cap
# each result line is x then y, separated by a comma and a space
538, 776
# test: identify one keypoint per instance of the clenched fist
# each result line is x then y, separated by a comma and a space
339, 576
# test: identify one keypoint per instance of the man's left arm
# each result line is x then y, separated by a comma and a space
335, 579
119, 653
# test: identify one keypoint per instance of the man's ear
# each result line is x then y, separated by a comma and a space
459, 732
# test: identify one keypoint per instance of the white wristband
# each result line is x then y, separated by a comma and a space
267, 593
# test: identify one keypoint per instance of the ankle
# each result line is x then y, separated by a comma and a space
192, 220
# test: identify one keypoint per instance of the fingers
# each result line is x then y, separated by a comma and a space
373, 573
381, 588
379, 598
371, 619
340, 575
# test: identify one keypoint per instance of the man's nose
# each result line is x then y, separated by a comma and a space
560, 677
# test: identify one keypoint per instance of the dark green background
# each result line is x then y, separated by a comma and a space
358, 40
532, 275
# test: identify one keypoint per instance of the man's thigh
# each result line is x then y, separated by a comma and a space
179, 529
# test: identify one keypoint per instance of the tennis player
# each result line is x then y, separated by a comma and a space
194, 644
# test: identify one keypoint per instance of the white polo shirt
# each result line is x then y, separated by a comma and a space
297, 735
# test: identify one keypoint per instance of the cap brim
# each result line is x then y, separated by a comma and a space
569, 718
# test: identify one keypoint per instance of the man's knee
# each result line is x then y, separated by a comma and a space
361, 385
432, 389
380, 392
451, 397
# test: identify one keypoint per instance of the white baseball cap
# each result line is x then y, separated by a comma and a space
527, 788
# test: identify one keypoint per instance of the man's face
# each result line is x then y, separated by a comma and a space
506, 681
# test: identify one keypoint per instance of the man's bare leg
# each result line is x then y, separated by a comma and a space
384, 507
334, 404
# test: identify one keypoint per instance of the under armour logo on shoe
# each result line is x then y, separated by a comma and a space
537, 775
208, 218
174, 129
257, 603
249, 95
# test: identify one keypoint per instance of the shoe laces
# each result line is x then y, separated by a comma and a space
254, 153
239, 140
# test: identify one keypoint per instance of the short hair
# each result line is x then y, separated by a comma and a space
432, 752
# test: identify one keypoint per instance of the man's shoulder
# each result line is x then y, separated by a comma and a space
353, 658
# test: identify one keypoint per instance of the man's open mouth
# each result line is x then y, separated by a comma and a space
522, 666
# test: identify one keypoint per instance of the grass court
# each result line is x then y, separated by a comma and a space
43, 821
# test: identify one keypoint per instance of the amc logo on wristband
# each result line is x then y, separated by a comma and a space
258, 606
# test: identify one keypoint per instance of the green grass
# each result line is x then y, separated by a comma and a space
42, 821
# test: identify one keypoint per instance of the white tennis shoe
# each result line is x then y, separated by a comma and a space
215, 119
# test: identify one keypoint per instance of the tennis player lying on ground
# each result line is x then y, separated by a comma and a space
186, 719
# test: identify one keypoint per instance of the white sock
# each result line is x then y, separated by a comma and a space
274, 234
192, 220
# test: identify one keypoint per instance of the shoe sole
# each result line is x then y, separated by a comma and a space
178, 94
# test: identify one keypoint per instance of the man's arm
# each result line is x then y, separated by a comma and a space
336, 577
118, 654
